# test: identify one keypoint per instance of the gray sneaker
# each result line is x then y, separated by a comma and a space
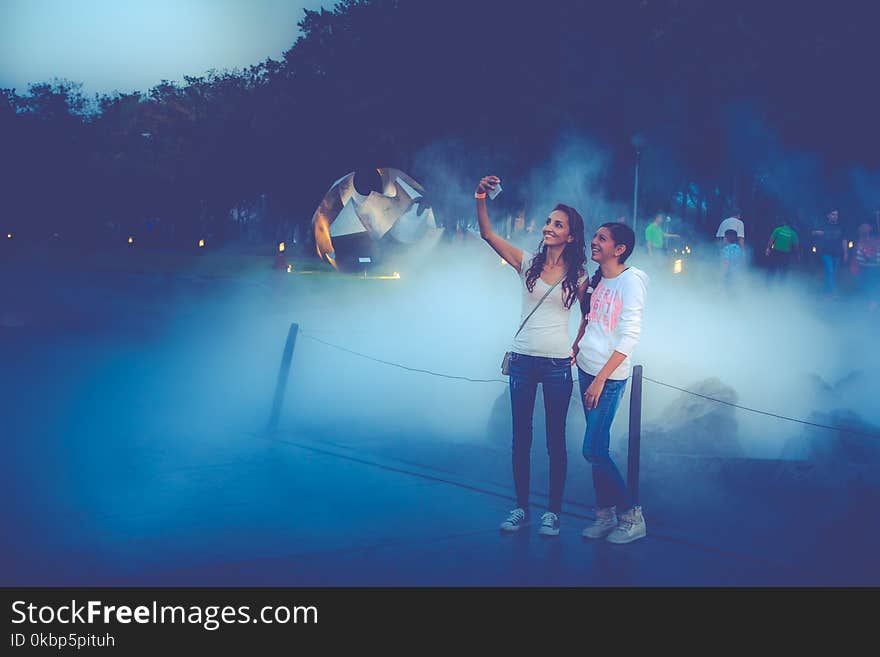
604, 524
630, 527
517, 518
549, 524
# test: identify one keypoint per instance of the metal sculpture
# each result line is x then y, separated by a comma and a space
400, 214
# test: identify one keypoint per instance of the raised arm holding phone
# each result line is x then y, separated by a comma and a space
541, 349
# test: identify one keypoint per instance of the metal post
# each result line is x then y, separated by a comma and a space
282, 377
635, 434
636, 196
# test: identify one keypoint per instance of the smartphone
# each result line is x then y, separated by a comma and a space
495, 192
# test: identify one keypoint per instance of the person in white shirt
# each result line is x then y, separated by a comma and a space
541, 351
612, 304
733, 222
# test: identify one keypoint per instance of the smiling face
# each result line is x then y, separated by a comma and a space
556, 229
603, 248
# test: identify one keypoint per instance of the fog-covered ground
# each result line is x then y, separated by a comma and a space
201, 354
124, 395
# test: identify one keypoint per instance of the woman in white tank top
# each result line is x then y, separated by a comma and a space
541, 349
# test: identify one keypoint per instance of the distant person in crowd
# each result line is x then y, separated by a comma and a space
782, 249
732, 260
612, 304
520, 236
832, 249
865, 264
508, 226
733, 222
550, 279
655, 236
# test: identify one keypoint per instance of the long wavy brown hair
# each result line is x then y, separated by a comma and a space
574, 255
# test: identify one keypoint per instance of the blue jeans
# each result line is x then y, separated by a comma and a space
526, 372
609, 486
829, 262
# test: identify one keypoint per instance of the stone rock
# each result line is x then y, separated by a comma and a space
695, 425
855, 442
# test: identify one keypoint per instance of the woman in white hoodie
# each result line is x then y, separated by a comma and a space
612, 303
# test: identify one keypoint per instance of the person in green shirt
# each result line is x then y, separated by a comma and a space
655, 236
782, 248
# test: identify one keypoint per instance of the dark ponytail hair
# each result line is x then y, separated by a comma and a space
620, 234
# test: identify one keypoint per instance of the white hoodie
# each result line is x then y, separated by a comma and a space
614, 322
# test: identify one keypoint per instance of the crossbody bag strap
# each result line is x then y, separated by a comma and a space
546, 294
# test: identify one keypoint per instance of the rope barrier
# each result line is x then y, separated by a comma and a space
403, 367
661, 383
753, 410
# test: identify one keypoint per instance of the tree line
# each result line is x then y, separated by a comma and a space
720, 95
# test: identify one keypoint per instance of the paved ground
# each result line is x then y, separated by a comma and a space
128, 459
284, 510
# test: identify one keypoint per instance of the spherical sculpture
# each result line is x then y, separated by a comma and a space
352, 229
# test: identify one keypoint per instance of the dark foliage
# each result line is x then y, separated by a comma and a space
730, 98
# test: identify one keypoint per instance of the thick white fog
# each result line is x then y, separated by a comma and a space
775, 347
780, 348
204, 360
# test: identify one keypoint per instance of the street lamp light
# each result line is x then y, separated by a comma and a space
638, 142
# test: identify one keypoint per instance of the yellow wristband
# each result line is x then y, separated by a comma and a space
483, 195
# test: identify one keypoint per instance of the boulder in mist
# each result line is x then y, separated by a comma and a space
696, 425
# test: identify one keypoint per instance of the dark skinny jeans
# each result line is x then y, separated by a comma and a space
526, 372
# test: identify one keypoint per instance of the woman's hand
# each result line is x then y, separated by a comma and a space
574, 353
594, 391
487, 184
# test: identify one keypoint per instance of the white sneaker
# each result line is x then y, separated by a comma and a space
549, 524
515, 520
630, 527
605, 522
